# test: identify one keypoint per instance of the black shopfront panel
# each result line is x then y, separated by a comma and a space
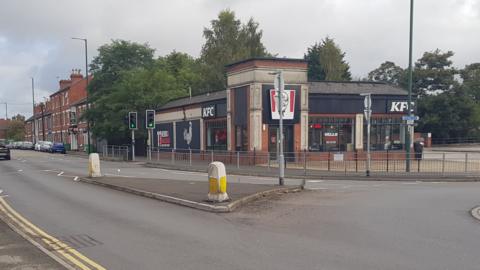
187, 135
353, 104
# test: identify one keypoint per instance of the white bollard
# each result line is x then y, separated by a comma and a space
217, 179
94, 165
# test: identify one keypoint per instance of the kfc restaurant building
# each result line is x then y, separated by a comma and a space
318, 116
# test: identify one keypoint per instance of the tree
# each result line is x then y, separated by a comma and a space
16, 128
114, 58
326, 62
185, 69
109, 67
433, 73
471, 80
228, 41
449, 115
387, 72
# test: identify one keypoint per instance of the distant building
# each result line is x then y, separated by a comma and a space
58, 118
3, 128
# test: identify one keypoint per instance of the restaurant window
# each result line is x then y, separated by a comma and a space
386, 133
330, 134
216, 135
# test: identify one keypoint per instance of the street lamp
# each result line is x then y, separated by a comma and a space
409, 105
88, 102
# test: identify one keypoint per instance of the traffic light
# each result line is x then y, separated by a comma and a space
132, 120
150, 119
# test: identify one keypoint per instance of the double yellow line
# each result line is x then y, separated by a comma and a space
67, 254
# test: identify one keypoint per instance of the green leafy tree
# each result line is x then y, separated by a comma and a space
471, 80
16, 128
433, 73
227, 41
387, 72
326, 62
316, 72
136, 90
449, 115
185, 69
115, 58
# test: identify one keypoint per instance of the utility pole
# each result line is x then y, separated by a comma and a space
88, 102
33, 103
409, 105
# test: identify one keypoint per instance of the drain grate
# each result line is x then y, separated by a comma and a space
79, 241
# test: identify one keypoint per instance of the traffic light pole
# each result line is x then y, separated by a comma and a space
133, 145
149, 144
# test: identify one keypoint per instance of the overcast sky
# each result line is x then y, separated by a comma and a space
35, 35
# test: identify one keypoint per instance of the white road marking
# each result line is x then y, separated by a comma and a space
75, 178
316, 181
24, 160
20, 170
409, 183
60, 174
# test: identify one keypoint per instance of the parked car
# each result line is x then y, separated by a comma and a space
58, 148
46, 146
27, 146
38, 145
4, 151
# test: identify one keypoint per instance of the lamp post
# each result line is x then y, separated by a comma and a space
33, 103
88, 103
409, 105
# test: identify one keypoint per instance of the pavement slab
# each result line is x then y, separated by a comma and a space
17, 253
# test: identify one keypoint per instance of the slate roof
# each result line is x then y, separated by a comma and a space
355, 88
195, 100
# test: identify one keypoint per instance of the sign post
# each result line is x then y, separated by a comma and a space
279, 87
368, 114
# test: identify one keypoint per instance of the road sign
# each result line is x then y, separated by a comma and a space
410, 117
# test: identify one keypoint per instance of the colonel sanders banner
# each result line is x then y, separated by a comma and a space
288, 104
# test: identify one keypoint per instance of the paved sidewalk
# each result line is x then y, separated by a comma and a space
18, 253
189, 193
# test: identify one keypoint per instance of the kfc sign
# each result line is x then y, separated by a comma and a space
287, 107
208, 111
399, 106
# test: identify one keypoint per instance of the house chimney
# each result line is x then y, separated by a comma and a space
64, 84
76, 75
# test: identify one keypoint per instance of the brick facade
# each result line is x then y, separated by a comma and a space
57, 119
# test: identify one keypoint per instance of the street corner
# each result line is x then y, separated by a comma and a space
475, 212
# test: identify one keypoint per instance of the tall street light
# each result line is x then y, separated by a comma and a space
409, 105
33, 103
88, 102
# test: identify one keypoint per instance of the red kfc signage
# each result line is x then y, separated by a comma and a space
287, 107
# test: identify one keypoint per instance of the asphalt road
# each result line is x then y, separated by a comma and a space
334, 225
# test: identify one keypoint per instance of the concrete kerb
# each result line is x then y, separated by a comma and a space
196, 205
476, 213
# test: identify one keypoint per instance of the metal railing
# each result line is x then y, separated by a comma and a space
116, 152
306, 163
